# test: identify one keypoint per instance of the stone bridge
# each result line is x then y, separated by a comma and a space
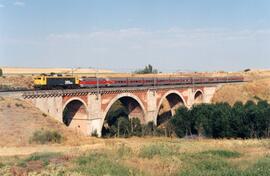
85, 109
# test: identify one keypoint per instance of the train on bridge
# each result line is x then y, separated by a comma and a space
71, 82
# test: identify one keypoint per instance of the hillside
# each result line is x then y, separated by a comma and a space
19, 120
16, 82
32, 70
254, 90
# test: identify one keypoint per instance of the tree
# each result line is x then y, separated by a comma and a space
147, 70
268, 122
251, 111
1, 72
201, 119
182, 122
110, 126
220, 120
239, 127
263, 118
123, 127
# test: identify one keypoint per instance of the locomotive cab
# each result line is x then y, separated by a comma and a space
40, 81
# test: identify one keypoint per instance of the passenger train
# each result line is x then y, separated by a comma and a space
68, 82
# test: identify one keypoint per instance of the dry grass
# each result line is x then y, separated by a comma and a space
16, 82
19, 120
169, 156
244, 92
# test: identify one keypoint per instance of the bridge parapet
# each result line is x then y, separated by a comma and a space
106, 90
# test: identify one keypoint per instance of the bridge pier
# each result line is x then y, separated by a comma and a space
151, 106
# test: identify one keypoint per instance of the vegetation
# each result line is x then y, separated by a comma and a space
220, 120
101, 164
147, 70
46, 136
150, 151
149, 156
118, 124
43, 157
1, 72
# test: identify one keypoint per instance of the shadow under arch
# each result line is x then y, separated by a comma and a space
75, 115
168, 105
132, 104
198, 97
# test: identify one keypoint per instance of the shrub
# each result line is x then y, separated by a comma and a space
136, 127
148, 129
123, 127
46, 136
94, 133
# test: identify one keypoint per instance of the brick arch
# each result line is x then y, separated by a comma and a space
163, 98
200, 92
117, 97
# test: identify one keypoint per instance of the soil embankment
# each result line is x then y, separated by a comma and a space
19, 120
254, 90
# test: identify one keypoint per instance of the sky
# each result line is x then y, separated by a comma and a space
172, 35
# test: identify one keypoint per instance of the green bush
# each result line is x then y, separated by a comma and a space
46, 136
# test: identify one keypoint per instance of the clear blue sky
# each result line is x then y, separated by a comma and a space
125, 35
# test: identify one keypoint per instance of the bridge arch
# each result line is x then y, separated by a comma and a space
198, 96
75, 115
131, 102
167, 106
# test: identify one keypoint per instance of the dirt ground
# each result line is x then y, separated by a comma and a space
19, 120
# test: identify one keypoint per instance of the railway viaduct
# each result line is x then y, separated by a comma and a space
85, 110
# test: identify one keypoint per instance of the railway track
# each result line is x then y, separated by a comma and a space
26, 93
